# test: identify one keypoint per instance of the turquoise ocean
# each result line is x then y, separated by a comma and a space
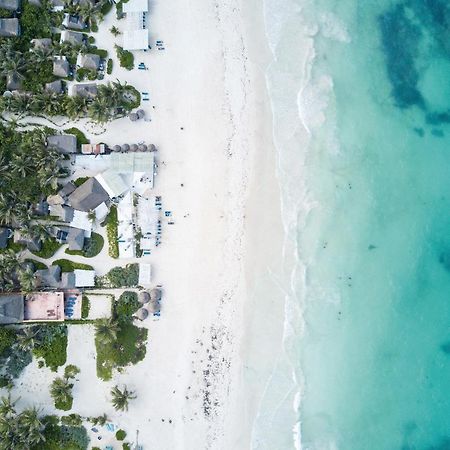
360, 94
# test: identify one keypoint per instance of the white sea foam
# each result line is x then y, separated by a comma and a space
333, 28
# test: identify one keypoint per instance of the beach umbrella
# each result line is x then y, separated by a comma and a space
152, 148
117, 148
143, 297
140, 113
142, 147
142, 313
155, 295
154, 307
133, 117
125, 147
133, 148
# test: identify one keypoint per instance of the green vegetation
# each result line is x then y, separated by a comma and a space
36, 264
61, 392
109, 66
126, 306
73, 420
85, 307
118, 277
62, 437
7, 337
79, 181
71, 371
121, 435
112, 223
115, 31
69, 266
49, 247
126, 446
14, 356
12, 246
51, 345
81, 137
120, 399
92, 246
126, 58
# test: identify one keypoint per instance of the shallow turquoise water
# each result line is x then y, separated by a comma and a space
376, 351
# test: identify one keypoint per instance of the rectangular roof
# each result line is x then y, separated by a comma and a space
135, 6
135, 39
145, 275
11, 308
112, 183
45, 306
84, 278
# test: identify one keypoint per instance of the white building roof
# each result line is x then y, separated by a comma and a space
135, 39
101, 212
84, 278
112, 183
135, 6
145, 275
125, 230
81, 220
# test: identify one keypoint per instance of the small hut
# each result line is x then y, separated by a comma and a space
152, 148
133, 117
140, 113
155, 295
125, 147
133, 148
154, 307
142, 148
141, 313
117, 148
143, 297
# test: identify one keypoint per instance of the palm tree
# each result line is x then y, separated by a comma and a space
41, 55
106, 330
100, 420
27, 280
7, 406
27, 340
61, 390
89, 13
99, 110
115, 31
120, 398
31, 426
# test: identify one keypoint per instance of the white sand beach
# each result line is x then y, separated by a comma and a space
211, 352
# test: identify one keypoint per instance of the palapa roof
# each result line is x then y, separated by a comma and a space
50, 277
133, 147
142, 147
72, 37
10, 5
152, 148
141, 313
143, 297
64, 212
75, 239
88, 90
41, 43
11, 308
64, 143
89, 61
88, 196
9, 27
155, 294
140, 113
54, 86
4, 236
61, 68
154, 307
117, 148
133, 117
125, 147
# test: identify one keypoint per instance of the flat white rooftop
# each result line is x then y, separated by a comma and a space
135, 39
135, 6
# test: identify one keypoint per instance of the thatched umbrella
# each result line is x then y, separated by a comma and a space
133, 148
125, 147
143, 297
152, 148
154, 307
117, 148
155, 295
140, 113
141, 313
133, 117
142, 147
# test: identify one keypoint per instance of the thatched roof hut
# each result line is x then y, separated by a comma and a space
141, 313
125, 147
152, 148
155, 295
133, 117
140, 113
133, 148
154, 307
117, 148
143, 297
142, 148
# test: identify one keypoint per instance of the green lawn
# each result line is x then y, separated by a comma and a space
49, 248
112, 222
69, 266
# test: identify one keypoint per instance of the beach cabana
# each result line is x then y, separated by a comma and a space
141, 313
152, 148
154, 307
140, 113
143, 297
133, 148
133, 117
142, 148
155, 295
125, 147
117, 148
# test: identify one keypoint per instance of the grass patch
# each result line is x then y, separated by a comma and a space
16, 248
36, 264
92, 247
109, 66
69, 266
81, 137
49, 248
112, 223
85, 307
51, 345
126, 58
118, 277
79, 181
